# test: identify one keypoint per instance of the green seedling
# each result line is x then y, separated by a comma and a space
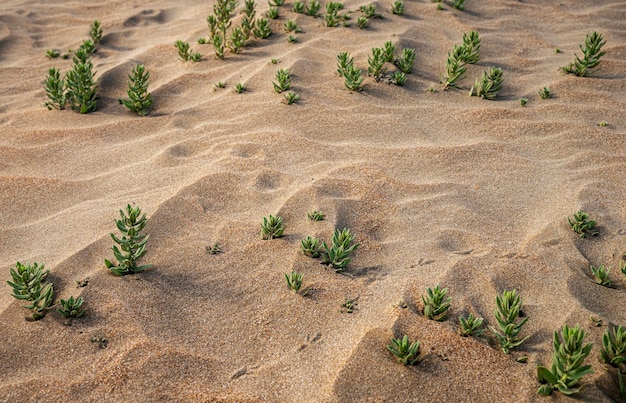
470, 326
436, 304
406, 61
55, 90
603, 123
291, 97
81, 87
311, 247
440, 7
567, 359
348, 305
582, 225
471, 47
591, 55
353, 79
622, 268
344, 61
613, 350
489, 84
52, 53
202, 41
315, 215
273, 13
406, 352
389, 50
376, 64
332, 20
290, 26
369, 11
263, 29
132, 244
455, 67
274, 61
81, 56
185, 53
272, 227
509, 305
283, 81
237, 40
28, 285
72, 307
139, 99
313, 8
95, 32
214, 250
361, 22
523, 101
601, 274
88, 46
459, 4
398, 78
220, 84
397, 7
298, 7
239, 88
276, 3
545, 93
247, 20
337, 255
292, 39
294, 281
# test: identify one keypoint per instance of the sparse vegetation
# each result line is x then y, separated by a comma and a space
490, 83
397, 7
471, 47
344, 62
376, 64
436, 304
353, 78
389, 50
582, 225
294, 281
348, 305
545, 93
220, 84
361, 22
291, 98
313, 8
337, 255
239, 88
72, 307
283, 81
95, 32
508, 308
455, 67
81, 86
27, 282
311, 246
591, 55
470, 326
298, 7
315, 215
369, 11
398, 78
139, 99
132, 244
185, 53
52, 53
55, 90
459, 4
272, 227
273, 13
406, 352
613, 350
601, 274
406, 61
263, 29
214, 249
523, 101
292, 39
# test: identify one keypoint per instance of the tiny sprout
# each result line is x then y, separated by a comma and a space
290, 26
361, 22
274, 61
601, 275
220, 84
214, 250
440, 7
315, 215
582, 225
406, 352
294, 281
52, 53
202, 41
291, 97
311, 246
545, 93
239, 88
397, 7
71, 307
470, 326
523, 101
603, 124
557, 50
459, 4
398, 78
272, 227
436, 304
283, 81
292, 39
348, 305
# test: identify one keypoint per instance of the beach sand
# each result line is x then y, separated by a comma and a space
439, 188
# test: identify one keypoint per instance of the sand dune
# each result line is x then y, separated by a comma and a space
439, 188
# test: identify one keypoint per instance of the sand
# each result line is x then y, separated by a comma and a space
438, 188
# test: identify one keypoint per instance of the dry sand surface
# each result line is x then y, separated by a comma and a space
438, 187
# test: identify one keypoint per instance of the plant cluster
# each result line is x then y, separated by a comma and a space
239, 88
406, 352
185, 53
263, 29
467, 53
376, 64
545, 93
313, 8
353, 78
591, 55
582, 225
337, 255
488, 86
332, 18
132, 245
459, 4
567, 359
220, 21
509, 305
139, 99
315, 215
28, 285
436, 304
272, 227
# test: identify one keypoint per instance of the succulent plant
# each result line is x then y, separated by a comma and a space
470, 326
376, 64
545, 93
72, 307
263, 29
406, 61
406, 352
353, 79
311, 246
459, 4
298, 7
272, 227
455, 66
508, 307
283, 81
369, 11
436, 304
139, 99
398, 78
28, 285
397, 7
344, 61
291, 97
273, 13
601, 275
294, 281
337, 255
95, 32
52, 53
214, 250
81, 87
489, 84
591, 55
313, 8
613, 350
315, 215
471, 47
239, 88
55, 90
131, 243
582, 225
185, 53
361, 22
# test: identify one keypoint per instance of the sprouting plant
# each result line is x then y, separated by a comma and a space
290, 26
298, 7
275, 3
52, 53
567, 359
273, 13
523, 101
459, 4
55, 90
88, 46
436, 304
331, 20
274, 61
214, 250
292, 39
28, 285
218, 24
283, 81
81, 56
545, 93
582, 225
370, 11
184, 51
471, 46
236, 40
294, 281
132, 244
72, 307
455, 66
389, 49
361, 22
353, 78
315, 215
397, 7
508, 307
376, 64
313, 8
622, 268
272, 227
239, 88
489, 84
348, 305
338, 253
263, 29
81, 87
398, 78
406, 61
440, 7
344, 61
95, 32
139, 99
470, 326
291, 97
220, 84
601, 275
406, 352
603, 123
311, 246
613, 350
247, 21
591, 55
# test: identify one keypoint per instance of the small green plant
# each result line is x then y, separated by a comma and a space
370, 11
361, 22
311, 246
315, 215
582, 225
273, 13
275, 3
471, 47
55, 90
344, 61
214, 250
508, 307
220, 84
237, 40
290, 26
28, 285
313, 8
376, 64
263, 29
523, 101
272, 227
489, 84
397, 7
398, 78
337, 255
88, 46
455, 67
406, 61
613, 350
81, 87
440, 7
298, 7
292, 39
603, 123
95, 32
291, 97
353, 78
72, 307
274, 61
331, 19
601, 275
622, 268
459, 4
406, 352
139, 99
52, 53
545, 93
185, 53
591, 55
470, 326
389, 50
132, 244
436, 304
567, 359
348, 305
239, 88
283, 81
247, 21
294, 281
